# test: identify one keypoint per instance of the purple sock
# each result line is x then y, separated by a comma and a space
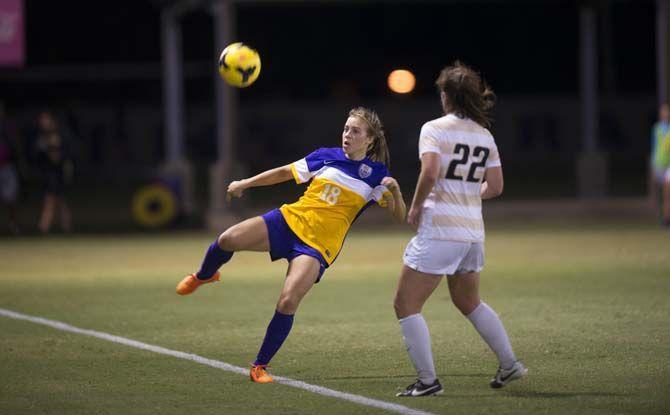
278, 330
214, 258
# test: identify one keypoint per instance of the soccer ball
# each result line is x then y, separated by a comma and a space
239, 65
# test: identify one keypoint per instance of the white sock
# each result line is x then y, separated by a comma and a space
488, 325
417, 339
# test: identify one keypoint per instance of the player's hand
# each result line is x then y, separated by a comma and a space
390, 201
414, 218
235, 189
390, 184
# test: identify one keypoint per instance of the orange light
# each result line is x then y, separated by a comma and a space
401, 81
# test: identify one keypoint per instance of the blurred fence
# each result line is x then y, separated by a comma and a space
533, 133
120, 145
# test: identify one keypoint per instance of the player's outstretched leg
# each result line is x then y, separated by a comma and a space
191, 282
249, 235
214, 258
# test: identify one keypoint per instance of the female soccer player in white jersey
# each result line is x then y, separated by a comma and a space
460, 166
310, 232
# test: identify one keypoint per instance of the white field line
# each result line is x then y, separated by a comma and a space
214, 363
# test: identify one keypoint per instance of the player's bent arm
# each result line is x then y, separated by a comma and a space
267, 178
493, 183
399, 211
430, 170
394, 201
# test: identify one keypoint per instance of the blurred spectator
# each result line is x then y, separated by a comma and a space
9, 181
56, 171
660, 162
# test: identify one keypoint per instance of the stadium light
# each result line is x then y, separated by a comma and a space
401, 81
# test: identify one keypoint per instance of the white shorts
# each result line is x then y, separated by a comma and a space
434, 256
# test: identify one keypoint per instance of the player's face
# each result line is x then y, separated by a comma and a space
355, 139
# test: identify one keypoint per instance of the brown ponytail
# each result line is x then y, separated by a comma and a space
468, 94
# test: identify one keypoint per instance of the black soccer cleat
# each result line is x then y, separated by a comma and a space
505, 376
421, 389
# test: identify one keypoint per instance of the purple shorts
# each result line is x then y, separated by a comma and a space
286, 244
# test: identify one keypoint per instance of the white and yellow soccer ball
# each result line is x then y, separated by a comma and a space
239, 65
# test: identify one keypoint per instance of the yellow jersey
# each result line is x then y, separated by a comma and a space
340, 190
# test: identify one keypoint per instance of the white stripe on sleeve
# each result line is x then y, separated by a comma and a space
302, 171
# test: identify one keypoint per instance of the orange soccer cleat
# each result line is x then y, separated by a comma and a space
190, 283
258, 374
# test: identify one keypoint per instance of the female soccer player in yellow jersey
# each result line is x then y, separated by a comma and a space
460, 166
310, 232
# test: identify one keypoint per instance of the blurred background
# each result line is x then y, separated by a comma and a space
124, 99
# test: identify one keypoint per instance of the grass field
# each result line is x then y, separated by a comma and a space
586, 306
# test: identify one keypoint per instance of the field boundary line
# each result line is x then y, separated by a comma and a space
320, 390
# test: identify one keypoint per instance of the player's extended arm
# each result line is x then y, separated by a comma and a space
267, 178
430, 170
493, 183
395, 203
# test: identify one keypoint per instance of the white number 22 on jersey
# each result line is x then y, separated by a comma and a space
330, 194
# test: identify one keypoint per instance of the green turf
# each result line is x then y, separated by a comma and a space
586, 306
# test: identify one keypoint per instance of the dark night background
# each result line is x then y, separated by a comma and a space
522, 47
98, 66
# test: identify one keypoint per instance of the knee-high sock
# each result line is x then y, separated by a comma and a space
214, 258
417, 339
488, 325
278, 330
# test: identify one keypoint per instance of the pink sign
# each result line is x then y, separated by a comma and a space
12, 51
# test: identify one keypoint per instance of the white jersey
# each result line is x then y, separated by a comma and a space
453, 209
